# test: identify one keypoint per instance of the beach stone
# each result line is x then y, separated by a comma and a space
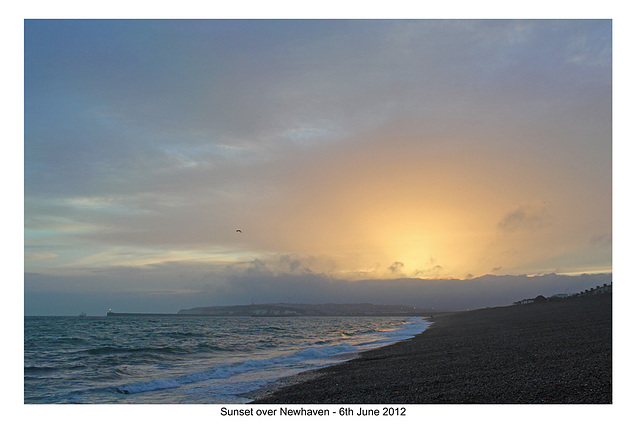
551, 352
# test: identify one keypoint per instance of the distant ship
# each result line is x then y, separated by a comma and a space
83, 314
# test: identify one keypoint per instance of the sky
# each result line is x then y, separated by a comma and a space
444, 163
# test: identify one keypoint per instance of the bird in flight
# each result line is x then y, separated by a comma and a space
238, 231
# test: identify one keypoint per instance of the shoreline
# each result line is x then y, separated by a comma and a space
303, 376
552, 352
281, 383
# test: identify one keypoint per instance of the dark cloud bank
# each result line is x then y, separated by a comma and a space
44, 295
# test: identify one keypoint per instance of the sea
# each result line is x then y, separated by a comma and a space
188, 360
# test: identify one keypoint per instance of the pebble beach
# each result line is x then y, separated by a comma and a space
548, 352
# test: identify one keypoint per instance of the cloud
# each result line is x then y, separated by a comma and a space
258, 268
527, 217
601, 240
434, 271
396, 267
339, 147
69, 294
39, 256
294, 265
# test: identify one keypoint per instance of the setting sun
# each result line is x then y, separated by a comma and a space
360, 152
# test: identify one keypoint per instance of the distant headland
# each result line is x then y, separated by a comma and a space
293, 310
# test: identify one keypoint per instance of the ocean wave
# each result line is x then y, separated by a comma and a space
42, 369
181, 334
35, 369
227, 370
212, 363
118, 350
214, 347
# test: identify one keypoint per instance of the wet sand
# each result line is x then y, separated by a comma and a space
551, 352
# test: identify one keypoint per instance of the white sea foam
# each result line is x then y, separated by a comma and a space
312, 357
189, 360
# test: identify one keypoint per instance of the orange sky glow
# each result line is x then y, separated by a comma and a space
344, 150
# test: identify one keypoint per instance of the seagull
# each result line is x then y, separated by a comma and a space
238, 231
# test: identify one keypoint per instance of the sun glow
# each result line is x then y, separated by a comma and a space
487, 161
